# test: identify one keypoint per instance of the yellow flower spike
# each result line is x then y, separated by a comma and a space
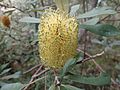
58, 38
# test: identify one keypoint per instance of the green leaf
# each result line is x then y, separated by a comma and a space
29, 20
2, 67
62, 5
5, 71
64, 87
101, 29
13, 86
69, 87
103, 79
96, 41
53, 87
92, 21
115, 43
97, 11
118, 66
15, 75
2, 83
74, 9
68, 65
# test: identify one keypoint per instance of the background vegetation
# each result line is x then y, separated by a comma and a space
19, 57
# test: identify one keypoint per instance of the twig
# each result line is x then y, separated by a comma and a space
7, 6
85, 33
13, 37
104, 18
36, 80
101, 69
57, 82
93, 60
31, 69
33, 77
107, 16
42, 2
45, 88
36, 75
89, 58
113, 20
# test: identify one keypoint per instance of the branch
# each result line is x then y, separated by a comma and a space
101, 69
7, 6
34, 82
39, 74
42, 2
35, 75
113, 20
13, 37
37, 80
57, 81
31, 69
32, 78
90, 57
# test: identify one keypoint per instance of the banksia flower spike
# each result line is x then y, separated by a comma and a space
58, 38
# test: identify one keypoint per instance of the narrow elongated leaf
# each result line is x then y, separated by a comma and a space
69, 87
5, 71
115, 43
63, 5
96, 41
2, 83
97, 11
69, 64
3, 66
103, 79
29, 20
92, 21
74, 9
53, 87
118, 66
15, 75
101, 29
13, 86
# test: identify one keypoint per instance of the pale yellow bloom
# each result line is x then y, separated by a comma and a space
58, 38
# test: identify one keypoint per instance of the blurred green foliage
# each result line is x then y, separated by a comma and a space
19, 46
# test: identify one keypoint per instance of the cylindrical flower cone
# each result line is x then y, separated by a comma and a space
58, 38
